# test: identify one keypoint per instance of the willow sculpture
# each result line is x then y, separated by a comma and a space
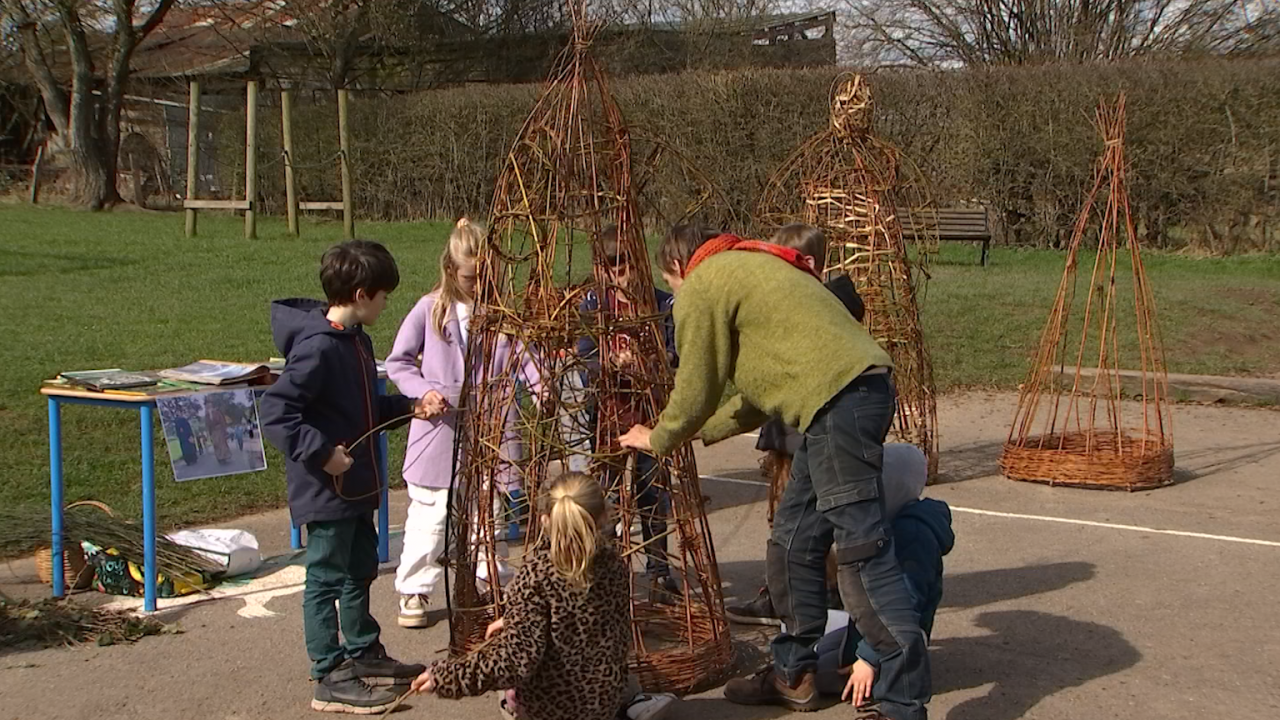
1071, 426
854, 187
567, 178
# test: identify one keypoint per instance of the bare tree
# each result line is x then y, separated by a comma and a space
78, 54
1019, 32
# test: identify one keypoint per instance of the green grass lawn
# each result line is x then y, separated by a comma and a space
126, 289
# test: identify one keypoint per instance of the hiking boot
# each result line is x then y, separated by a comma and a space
757, 612
376, 668
645, 706
341, 691
768, 688
664, 590
413, 611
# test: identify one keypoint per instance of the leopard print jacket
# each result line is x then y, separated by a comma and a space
563, 649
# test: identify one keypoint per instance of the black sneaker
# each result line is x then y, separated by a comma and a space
342, 691
757, 612
376, 668
664, 590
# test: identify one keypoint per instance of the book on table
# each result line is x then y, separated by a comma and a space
164, 387
103, 380
217, 372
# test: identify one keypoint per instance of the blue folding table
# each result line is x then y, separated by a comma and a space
58, 396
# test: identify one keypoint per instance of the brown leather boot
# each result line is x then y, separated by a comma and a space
768, 688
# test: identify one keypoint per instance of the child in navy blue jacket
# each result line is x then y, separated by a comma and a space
652, 503
324, 401
922, 535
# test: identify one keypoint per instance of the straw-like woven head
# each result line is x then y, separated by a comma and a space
851, 106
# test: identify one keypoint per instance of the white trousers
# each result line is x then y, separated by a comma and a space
574, 431
420, 569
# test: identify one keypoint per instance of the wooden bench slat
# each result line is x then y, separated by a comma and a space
321, 205
217, 204
950, 225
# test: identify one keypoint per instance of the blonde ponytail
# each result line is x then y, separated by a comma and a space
463, 246
576, 510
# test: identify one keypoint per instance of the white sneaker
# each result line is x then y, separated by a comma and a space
646, 706
413, 611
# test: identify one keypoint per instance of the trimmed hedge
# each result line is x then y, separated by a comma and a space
1203, 141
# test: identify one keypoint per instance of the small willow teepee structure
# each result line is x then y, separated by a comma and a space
1071, 427
857, 189
567, 178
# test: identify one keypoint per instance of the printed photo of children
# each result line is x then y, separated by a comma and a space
212, 434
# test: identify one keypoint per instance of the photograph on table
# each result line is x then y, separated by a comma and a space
210, 434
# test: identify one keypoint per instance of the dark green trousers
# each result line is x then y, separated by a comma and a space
342, 563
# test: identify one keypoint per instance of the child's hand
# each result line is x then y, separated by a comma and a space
861, 677
494, 628
430, 405
338, 462
424, 683
637, 438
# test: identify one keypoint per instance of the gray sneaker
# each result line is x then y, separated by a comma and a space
342, 692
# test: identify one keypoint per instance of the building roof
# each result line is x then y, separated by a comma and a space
754, 23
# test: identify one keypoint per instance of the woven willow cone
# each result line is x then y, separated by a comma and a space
856, 188
1071, 426
567, 177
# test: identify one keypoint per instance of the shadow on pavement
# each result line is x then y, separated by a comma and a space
1027, 656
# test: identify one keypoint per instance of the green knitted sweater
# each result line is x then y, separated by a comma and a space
783, 340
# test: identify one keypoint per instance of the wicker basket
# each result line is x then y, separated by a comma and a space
1108, 460
76, 570
689, 664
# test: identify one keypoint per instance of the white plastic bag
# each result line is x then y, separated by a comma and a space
236, 550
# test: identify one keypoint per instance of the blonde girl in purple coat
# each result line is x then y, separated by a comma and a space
427, 361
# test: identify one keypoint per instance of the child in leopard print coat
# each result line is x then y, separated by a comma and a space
563, 640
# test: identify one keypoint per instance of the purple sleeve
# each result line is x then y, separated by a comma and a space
402, 363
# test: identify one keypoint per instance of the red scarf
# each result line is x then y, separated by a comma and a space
722, 243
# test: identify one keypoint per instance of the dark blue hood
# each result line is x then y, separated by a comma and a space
934, 515
296, 319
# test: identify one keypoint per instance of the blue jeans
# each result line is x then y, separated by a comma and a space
834, 498
653, 506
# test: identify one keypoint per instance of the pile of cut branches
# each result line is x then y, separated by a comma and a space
53, 623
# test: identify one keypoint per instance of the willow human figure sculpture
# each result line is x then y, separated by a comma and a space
1071, 426
565, 180
851, 184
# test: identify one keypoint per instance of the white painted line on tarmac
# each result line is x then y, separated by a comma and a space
717, 478
1066, 521
1117, 526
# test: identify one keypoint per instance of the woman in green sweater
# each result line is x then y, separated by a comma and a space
806, 361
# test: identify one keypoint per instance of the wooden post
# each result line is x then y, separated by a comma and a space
290, 189
35, 176
251, 161
193, 153
344, 142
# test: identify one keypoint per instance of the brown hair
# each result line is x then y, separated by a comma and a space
463, 246
806, 239
357, 265
576, 509
679, 245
